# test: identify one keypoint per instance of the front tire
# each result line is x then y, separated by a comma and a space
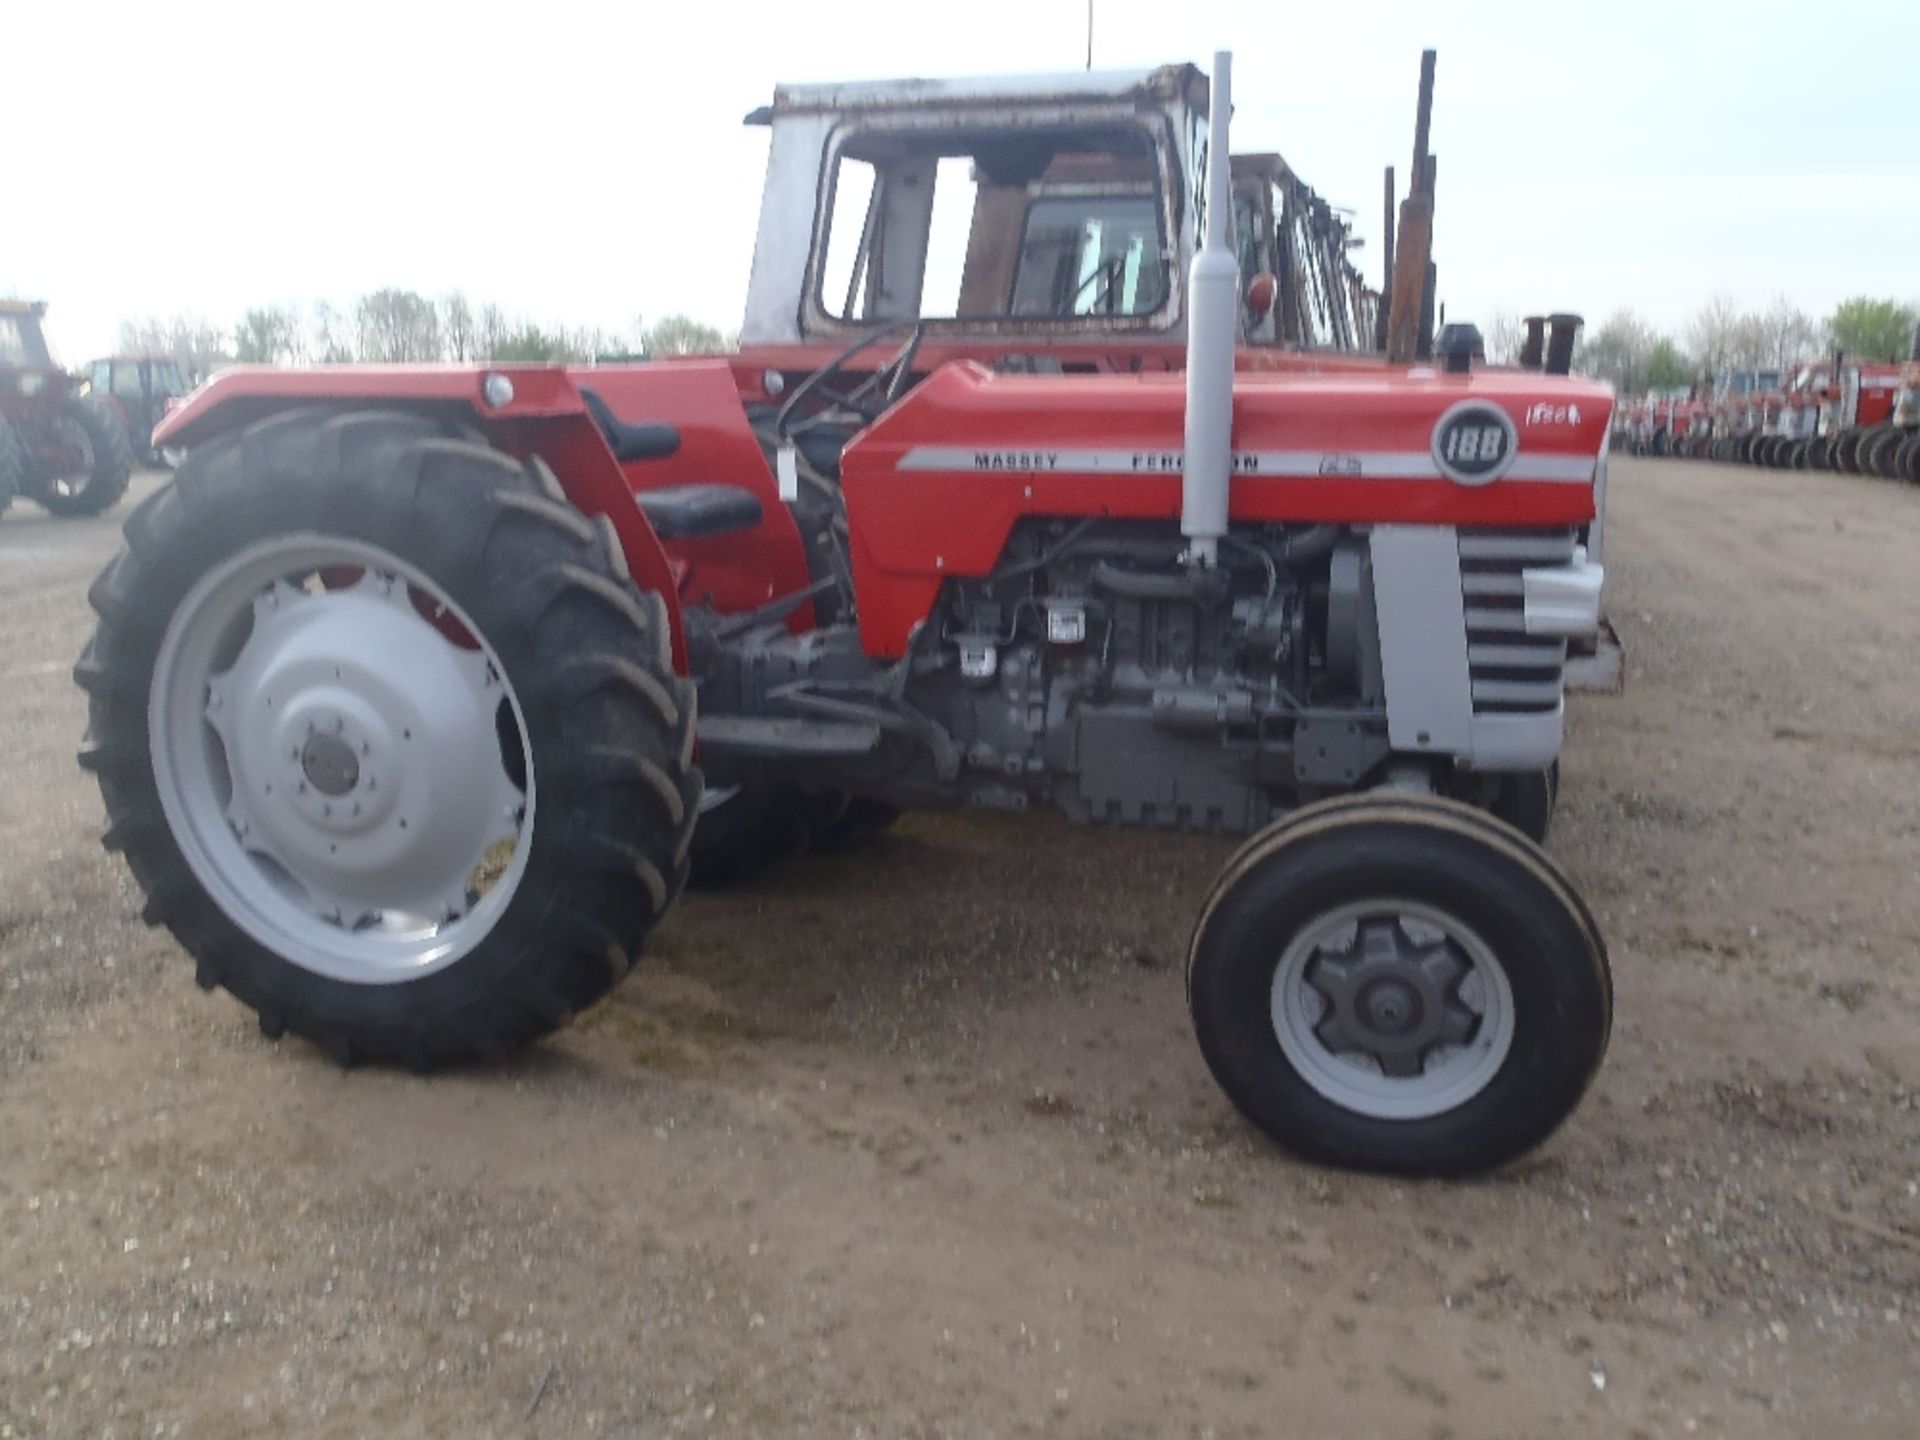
1399, 983
387, 736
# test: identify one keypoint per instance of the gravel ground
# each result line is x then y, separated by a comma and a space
917, 1143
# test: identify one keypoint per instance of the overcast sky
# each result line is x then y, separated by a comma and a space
586, 164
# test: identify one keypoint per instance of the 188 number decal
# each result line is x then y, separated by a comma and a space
1476, 442
1473, 443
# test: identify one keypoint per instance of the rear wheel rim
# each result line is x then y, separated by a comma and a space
341, 759
1393, 1009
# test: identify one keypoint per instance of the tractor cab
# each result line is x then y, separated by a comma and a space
27, 365
1060, 208
1000, 207
141, 389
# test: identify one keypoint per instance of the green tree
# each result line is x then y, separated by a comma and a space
1870, 329
268, 336
527, 342
397, 327
332, 343
1666, 366
683, 335
457, 329
1616, 351
195, 345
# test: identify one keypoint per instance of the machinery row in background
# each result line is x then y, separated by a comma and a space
1856, 417
70, 441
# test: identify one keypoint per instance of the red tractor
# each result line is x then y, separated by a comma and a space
392, 700
1873, 422
65, 450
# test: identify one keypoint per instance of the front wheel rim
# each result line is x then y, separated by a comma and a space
341, 759
1392, 1009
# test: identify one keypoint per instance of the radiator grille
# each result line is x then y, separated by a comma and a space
1512, 672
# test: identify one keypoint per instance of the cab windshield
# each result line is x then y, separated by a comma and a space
21, 344
1032, 224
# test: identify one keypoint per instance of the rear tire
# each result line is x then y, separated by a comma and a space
1907, 462
109, 462
1479, 1012
452, 552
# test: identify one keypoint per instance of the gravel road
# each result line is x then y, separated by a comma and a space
917, 1143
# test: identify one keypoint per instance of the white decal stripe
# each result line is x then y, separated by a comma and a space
1287, 464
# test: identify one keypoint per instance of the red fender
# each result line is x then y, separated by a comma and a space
545, 416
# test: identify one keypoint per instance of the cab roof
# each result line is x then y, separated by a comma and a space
1165, 83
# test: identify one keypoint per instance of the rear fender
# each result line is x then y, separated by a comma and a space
545, 417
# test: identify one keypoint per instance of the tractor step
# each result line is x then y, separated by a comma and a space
762, 737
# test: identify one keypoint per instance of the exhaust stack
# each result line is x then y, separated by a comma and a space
1213, 304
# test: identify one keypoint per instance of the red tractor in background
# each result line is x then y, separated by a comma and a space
1873, 422
392, 700
65, 450
140, 389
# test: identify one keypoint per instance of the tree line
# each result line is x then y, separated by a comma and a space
394, 326
1633, 356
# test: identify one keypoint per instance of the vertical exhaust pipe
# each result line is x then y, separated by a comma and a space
1213, 314
1561, 330
1533, 349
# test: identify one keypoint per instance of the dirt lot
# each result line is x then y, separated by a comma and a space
919, 1144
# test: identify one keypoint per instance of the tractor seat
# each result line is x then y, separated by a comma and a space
630, 442
691, 512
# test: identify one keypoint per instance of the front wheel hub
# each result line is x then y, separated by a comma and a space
1392, 1008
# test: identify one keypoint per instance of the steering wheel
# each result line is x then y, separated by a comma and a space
868, 398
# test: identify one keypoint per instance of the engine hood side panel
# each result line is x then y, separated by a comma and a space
935, 487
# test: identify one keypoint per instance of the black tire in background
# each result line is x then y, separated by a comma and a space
1526, 802
1907, 461
609, 724
744, 829
1866, 448
1427, 852
1883, 458
13, 466
1840, 455
106, 480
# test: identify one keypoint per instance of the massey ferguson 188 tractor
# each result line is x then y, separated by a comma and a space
393, 696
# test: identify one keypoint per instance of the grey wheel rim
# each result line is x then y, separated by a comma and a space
332, 760
1393, 1009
